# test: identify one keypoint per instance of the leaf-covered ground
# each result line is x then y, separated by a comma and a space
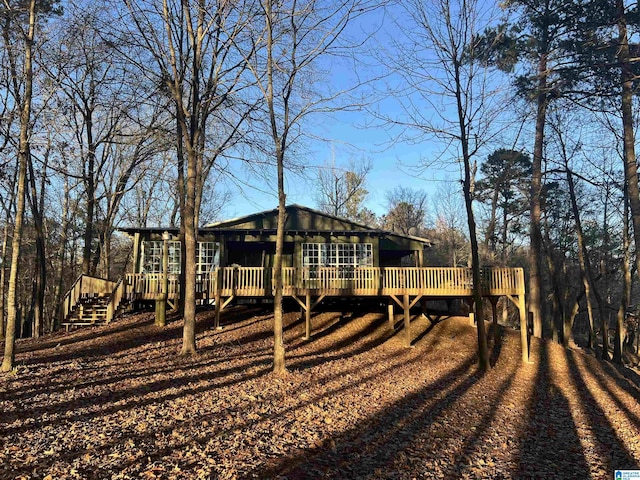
117, 402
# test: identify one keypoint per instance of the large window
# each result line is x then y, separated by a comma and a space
343, 256
152, 256
207, 256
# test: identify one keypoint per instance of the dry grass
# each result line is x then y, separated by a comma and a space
117, 402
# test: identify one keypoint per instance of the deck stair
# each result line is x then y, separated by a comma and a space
90, 310
92, 301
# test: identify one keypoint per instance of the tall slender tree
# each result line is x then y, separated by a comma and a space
534, 39
441, 68
20, 19
295, 36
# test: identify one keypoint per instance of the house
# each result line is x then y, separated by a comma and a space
312, 239
324, 256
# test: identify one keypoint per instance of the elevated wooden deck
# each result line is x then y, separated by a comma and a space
439, 282
403, 286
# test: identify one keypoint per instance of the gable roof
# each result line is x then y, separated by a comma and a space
301, 218
295, 214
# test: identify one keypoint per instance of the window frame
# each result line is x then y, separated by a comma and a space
344, 257
152, 252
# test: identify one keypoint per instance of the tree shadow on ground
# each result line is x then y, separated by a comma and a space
136, 335
551, 438
364, 449
357, 342
465, 456
613, 396
612, 449
143, 395
625, 377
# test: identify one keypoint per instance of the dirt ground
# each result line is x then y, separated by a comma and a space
117, 402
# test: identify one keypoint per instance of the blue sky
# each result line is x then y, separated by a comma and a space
355, 134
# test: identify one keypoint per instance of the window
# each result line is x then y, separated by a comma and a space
343, 256
207, 256
152, 256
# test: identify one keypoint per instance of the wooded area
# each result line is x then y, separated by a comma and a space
130, 113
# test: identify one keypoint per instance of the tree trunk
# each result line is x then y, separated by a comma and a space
3, 270
280, 142
490, 234
40, 280
558, 306
62, 253
23, 159
89, 180
483, 349
630, 166
535, 269
190, 240
278, 315
618, 347
181, 206
585, 266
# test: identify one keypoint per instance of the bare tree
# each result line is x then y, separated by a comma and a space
294, 37
439, 68
584, 258
21, 18
193, 47
406, 211
342, 191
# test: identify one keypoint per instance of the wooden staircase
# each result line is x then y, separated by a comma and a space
92, 301
90, 310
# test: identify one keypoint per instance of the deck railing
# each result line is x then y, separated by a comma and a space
82, 287
357, 281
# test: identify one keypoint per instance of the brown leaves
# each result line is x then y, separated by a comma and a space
117, 402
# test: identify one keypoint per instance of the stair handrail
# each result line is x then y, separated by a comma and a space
71, 298
77, 290
114, 299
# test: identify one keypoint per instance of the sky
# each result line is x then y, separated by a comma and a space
348, 135
392, 166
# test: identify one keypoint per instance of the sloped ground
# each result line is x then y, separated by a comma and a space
117, 402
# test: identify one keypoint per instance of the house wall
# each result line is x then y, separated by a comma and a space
255, 250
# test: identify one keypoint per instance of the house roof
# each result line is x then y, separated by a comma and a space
290, 207
328, 223
299, 219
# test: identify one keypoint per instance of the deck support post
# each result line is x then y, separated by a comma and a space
472, 313
524, 331
161, 300
505, 311
407, 321
449, 305
494, 310
161, 310
494, 316
307, 316
218, 300
391, 320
